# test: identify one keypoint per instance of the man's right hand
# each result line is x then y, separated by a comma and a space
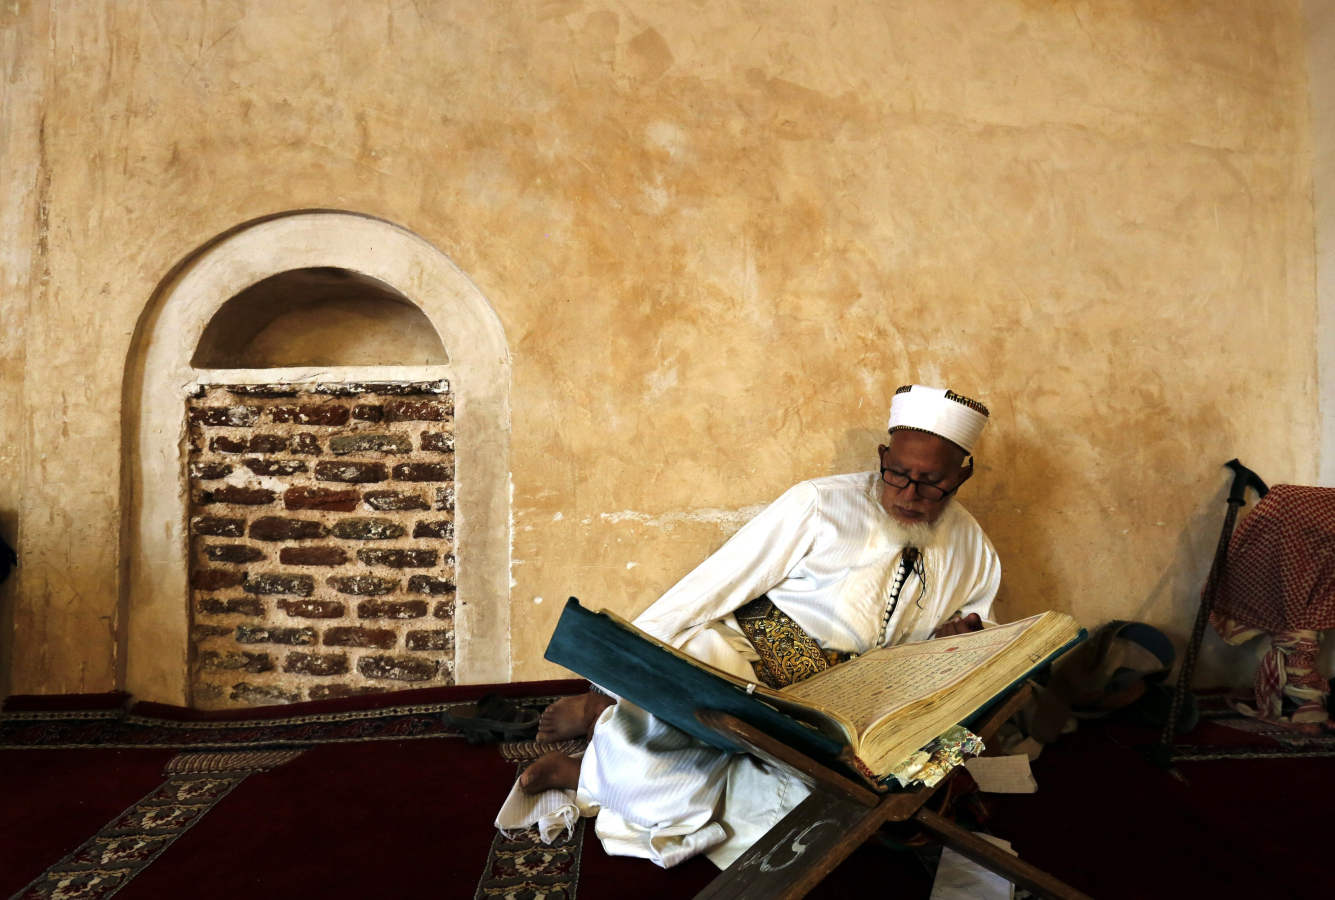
971, 622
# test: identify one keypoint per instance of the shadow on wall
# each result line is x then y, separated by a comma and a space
8, 559
1176, 597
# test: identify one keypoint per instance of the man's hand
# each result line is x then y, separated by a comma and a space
971, 622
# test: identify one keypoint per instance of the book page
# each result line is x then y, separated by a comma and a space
887, 679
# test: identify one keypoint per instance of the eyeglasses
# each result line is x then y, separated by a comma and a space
925, 490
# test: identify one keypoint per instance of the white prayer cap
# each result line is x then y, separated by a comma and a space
938, 411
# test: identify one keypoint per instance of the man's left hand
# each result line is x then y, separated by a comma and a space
971, 622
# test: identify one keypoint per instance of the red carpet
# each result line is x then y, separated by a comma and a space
1108, 822
51, 800
387, 801
383, 800
407, 818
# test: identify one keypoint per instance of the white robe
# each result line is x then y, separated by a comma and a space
825, 553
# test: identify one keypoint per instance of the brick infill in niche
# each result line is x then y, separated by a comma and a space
322, 557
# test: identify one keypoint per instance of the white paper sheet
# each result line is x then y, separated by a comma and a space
959, 878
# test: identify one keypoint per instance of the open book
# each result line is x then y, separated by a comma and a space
891, 701
865, 715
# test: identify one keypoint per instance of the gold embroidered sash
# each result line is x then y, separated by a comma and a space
787, 653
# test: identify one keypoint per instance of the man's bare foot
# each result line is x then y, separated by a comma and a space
551, 770
572, 717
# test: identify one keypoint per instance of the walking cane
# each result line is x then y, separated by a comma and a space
1243, 478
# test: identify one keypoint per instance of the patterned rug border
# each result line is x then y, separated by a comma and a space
219, 724
550, 882
1274, 731
547, 878
100, 729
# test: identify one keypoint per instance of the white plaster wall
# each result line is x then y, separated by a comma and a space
24, 181
1320, 16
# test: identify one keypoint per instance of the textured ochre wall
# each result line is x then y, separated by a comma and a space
1320, 17
718, 235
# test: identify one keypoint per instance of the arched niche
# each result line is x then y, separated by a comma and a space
174, 352
319, 317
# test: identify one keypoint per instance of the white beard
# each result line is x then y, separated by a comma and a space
912, 534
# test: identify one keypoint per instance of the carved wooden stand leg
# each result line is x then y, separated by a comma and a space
840, 814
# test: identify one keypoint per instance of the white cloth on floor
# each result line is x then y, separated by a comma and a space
554, 813
826, 553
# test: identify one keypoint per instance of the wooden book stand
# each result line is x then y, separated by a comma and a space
808, 843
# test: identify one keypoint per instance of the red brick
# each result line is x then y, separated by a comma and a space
275, 466
223, 444
277, 583
363, 585
444, 609
438, 441
316, 663
262, 390
351, 472
228, 416
215, 579
441, 529
395, 500
391, 609
368, 412
398, 559
313, 609
423, 472
262, 634
438, 639
304, 497
210, 471
419, 410
306, 444
312, 556
398, 668
267, 443
233, 661
262, 694
276, 528
426, 584
226, 606
344, 636
241, 496
312, 414
233, 553
366, 442
218, 526
368, 529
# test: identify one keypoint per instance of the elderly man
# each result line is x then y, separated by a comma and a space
854, 562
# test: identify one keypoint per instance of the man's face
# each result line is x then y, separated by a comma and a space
923, 458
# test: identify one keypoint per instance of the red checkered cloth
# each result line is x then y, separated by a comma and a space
1280, 569
1279, 579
